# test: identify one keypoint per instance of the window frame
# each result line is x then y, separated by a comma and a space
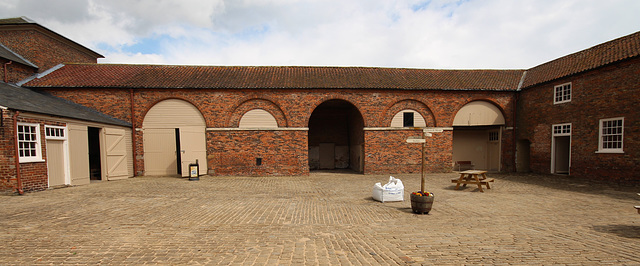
48, 129
563, 93
408, 119
37, 141
601, 148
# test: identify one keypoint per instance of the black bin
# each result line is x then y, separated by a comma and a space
194, 171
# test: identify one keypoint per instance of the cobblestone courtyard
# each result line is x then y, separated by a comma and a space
321, 219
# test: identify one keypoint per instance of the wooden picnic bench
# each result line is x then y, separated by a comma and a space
477, 177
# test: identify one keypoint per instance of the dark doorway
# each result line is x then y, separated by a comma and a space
336, 137
523, 155
95, 164
562, 151
178, 152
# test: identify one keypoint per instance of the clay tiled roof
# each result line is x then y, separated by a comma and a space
197, 77
594, 57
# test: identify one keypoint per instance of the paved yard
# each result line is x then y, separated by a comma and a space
322, 219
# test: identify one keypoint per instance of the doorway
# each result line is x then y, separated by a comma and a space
336, 137
561, 149
95, 163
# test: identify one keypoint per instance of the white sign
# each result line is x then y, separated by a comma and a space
433, 129
416, 140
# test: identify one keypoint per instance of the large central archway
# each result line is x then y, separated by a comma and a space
336, 137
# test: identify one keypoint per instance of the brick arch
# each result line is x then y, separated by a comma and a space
417, 106
462, 104
326, 99
257, 103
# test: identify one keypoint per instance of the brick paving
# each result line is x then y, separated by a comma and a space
321, 219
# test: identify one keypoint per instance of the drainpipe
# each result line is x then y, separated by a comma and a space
17, 153
133, 133
5, 71
515, 138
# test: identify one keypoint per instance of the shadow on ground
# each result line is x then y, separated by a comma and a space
622, 230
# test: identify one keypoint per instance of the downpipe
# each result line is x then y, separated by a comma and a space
17, 153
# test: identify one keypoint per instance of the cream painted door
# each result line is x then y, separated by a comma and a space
56, 163
160, 151
116, 153
193, 147
493, 151
79, 154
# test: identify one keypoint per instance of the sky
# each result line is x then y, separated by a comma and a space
435, 34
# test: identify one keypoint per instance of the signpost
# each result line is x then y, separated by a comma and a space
423, 141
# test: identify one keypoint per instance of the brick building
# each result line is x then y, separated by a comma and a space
292, 120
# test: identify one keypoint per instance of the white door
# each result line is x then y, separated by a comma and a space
160, 151
193, 147
56, 163
116, 153
79, 154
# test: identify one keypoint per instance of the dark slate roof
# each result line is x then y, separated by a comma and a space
600, 55
26, 100
19, 20
269, 77
6, 53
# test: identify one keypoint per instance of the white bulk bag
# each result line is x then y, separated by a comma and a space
392, 191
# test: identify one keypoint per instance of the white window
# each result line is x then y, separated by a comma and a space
562, 130
29, 143
611, 135
53, 132
562, 93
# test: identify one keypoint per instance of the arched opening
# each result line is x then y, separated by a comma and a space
477, 135
173, 138
336, 137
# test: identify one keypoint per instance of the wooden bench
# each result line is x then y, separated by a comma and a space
463, 166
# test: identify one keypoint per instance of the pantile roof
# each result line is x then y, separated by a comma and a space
201, 77
600, 55
22, 99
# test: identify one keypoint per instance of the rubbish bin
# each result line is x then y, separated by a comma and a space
194, 171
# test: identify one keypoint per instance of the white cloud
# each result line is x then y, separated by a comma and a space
412, 33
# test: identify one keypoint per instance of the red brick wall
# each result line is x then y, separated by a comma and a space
7, 153
42, 50
385, 151
15, 71
33, 175
607, 92
235, 152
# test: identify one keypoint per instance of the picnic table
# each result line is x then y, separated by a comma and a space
477, 177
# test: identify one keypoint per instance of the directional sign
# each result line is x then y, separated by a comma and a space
433, 130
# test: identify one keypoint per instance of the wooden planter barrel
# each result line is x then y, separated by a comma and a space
421, 204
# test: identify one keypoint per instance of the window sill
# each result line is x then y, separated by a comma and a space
605, 151
33, 161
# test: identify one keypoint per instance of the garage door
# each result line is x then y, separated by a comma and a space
174, 136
